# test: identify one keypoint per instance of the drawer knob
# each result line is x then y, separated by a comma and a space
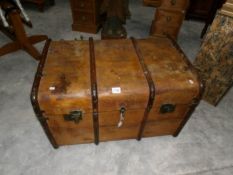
75, 116
173, 2
168, 18
167, 108
82, 4
83, 18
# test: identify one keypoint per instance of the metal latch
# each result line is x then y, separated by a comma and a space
173, 2
122, 117
75, 116
167, 108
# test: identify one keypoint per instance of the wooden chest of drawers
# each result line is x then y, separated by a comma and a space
86, 17
152, 3
169, 17
174, 4
40, 3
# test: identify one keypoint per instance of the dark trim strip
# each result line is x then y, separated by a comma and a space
150, 84
192, 107
94, 91
197, 99
34, 96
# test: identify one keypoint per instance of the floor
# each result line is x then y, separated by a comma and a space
204, 147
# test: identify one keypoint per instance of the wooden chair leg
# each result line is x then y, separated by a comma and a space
7, 33
21, 36
10, 47
204, 30
32, 51
41, 7
37, 38
52, 2
20, 39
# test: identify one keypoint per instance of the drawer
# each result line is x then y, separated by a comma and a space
86, 5
83, 17
159, 128
175, 4
169, 17
152, 3
163, 29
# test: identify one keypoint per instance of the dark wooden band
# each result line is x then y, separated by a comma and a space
34, 96
150, 84
196, 100
94, 91
198, 97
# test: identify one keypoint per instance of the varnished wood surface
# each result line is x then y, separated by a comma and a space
174, 81
67, 71
118, 66
159, 128
152, 3
86, 15
158, 28
169, 17
180, 5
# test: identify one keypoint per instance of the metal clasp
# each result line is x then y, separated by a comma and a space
168, 18
75, 116
173, 2
122, 117
167, 108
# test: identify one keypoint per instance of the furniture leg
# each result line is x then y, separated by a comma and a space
52, 2
7, 33
41, 7
8, 48
32, 51
21, 35
37, 38
203, 32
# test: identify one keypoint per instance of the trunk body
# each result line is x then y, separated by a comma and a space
122, 89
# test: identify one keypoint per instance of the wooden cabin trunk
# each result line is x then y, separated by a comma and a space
91, 91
